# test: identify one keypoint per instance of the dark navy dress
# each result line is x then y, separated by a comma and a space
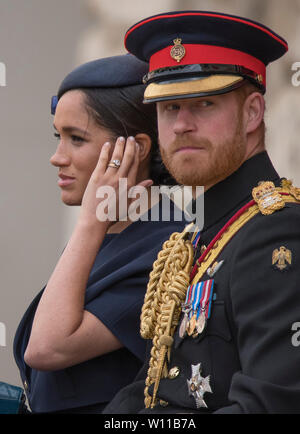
115, 294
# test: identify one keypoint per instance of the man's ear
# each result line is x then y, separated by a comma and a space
145, 143
254, 109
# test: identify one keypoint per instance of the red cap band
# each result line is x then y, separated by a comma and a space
208, 54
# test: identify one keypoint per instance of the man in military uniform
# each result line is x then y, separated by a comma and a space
221, 304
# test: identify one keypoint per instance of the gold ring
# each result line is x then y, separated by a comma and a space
115, 164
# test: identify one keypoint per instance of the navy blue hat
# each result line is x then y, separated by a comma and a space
196, 53
109, 72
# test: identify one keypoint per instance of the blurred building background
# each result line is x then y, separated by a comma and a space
40, 42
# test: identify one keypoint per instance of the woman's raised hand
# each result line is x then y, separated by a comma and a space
122, 161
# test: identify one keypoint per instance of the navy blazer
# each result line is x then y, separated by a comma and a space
115, 294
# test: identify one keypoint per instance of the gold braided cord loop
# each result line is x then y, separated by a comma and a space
149, 313
157, 276
166, 292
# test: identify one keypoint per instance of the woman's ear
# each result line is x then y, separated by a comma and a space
145, 143
254, 109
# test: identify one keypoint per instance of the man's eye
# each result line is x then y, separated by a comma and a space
172, 107
206, 103
57, 136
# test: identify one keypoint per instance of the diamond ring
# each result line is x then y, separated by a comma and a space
115, 164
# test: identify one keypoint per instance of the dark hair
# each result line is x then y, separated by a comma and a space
121, 111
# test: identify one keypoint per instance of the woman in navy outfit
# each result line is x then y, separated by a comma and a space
78, 342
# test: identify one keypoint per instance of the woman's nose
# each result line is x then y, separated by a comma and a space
60, 157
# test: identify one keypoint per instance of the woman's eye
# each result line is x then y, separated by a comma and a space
77, 139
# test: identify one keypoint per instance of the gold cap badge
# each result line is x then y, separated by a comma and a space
178, 51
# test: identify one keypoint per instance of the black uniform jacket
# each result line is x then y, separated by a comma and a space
249, 347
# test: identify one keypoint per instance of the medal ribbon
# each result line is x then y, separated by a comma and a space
199, 297
195, 241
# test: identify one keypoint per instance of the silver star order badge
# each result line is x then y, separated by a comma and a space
198, 386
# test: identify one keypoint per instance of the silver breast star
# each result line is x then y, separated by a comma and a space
198, 386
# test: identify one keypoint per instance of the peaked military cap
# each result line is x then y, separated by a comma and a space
197, 53
109, 72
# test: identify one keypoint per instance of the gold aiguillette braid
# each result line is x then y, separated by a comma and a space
166, 292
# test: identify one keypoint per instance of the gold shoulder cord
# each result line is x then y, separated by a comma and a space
166, 291
170, 279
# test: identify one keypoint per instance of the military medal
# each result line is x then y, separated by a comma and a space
185, 320
198, 299
183, 326
198, 386
192, 325
201, 323
177, 51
